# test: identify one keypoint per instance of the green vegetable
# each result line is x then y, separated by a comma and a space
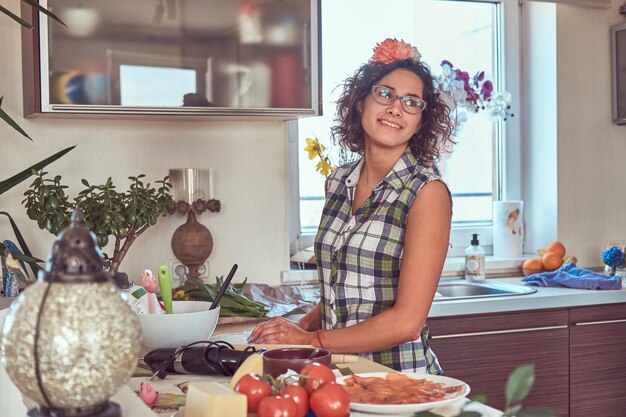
234, 303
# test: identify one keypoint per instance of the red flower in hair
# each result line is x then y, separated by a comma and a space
392, 50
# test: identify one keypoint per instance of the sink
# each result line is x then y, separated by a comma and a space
459, 289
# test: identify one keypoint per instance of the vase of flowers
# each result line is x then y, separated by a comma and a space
614, 261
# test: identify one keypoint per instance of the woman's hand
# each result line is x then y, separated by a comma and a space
280, 331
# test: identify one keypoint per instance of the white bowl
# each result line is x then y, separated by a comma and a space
191, 321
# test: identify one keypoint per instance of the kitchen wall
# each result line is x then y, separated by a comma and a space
590, 149
249, 159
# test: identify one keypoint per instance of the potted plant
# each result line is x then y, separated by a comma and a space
122, 215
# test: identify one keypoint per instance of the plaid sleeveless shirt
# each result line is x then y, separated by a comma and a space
359, 256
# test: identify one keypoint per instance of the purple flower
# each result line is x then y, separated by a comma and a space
478, 78
462, 75
486, 90
446, 62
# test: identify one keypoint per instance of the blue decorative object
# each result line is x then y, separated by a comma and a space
14, 249
10, 276
613, 257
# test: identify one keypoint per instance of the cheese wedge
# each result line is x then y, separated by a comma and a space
252, 365
211, 399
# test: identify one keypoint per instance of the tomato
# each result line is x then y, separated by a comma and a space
331, 400
299, 395
254, 388
316, 375
279, 406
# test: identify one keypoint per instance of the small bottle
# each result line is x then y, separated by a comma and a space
474, 260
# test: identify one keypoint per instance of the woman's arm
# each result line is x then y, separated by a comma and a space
312, 320
425, 248
284, 331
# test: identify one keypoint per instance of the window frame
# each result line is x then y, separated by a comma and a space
507, 149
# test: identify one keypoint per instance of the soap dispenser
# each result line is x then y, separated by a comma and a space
474, 260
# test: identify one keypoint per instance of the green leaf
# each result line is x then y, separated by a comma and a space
425, 414
479, 399
28, 172
470, 414
512, 411
4, 116
538, 412
16, 18
44, 11
520, 382
31, 260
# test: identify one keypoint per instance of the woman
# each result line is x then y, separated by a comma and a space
384, 232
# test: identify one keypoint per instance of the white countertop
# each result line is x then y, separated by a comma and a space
542, 299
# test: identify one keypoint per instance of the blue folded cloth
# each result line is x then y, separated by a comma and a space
571, 276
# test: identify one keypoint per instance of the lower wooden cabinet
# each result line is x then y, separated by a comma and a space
483, 350
579, 355
598, 361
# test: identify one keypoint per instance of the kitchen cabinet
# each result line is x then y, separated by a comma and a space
579, 355
598, 361
178, 58
483, 350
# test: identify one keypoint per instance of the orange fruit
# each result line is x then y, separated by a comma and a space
533, 264
556, 247
551, 261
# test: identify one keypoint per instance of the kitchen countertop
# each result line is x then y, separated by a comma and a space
544, 298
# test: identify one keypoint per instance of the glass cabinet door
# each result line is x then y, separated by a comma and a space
214, 57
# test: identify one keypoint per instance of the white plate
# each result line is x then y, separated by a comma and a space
408, 408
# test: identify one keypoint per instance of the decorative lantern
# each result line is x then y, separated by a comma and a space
70, 340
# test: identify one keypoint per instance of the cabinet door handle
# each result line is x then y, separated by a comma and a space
529, 329
593, 323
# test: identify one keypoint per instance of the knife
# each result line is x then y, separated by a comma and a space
165, 285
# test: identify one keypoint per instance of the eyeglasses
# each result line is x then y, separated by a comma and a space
386, 96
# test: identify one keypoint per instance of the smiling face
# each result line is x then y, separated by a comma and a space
389, 126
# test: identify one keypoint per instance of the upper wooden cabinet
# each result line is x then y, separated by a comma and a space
174, 57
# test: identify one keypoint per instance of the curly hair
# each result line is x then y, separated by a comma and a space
436, 125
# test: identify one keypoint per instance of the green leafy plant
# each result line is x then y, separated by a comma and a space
518, 386
234, 303
123, 215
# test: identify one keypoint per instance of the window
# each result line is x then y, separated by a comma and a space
136, 85
466, 33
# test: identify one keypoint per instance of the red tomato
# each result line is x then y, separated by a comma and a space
316, 375
279, 406
299, 395
331, 400
254, 388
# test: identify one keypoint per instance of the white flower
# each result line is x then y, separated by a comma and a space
415, 54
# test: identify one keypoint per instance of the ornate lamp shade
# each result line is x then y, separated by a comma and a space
70, 340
